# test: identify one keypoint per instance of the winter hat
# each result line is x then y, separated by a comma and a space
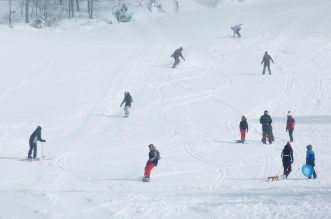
39, 127
151, 146
309, 147
289, 113
265, 111
243, 118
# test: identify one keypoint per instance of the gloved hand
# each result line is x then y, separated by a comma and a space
286, 130
44, 141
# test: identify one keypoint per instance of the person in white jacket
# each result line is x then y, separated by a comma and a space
236, 30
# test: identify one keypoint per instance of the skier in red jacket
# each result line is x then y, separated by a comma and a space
290, 125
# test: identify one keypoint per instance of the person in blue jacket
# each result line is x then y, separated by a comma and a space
34, 138
310, 159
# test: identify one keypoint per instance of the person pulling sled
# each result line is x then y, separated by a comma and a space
153, 159
287, 159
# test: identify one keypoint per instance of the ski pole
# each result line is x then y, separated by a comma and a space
49, 155
42, 150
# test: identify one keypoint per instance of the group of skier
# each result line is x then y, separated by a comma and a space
287, 152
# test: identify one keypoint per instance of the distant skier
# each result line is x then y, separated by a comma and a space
290, 125
287, 159
243, 126
34, 138
176, 54
266, 121
127, 100
310, 159
236, 30
154, 156
266, 62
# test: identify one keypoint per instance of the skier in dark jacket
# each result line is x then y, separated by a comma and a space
290, 125
153, 159
287, 158
127, 100
266, 62
177, 53
310, 159
34, 138
243, 126
266, 121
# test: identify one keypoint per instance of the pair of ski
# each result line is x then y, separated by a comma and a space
27, 159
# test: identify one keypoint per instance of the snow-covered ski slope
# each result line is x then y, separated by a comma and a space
71, 80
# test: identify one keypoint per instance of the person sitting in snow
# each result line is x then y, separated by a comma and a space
34, 138
287, 159
154, 157
176, 54
127, 100
236, 30
290, 125
243, 126
310, 159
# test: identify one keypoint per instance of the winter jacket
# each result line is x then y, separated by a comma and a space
36, 136
287, 154
266, 121
243, 125
290, 122
266, 59
154, 156
236, 27
310, 156
178, 53
127, 100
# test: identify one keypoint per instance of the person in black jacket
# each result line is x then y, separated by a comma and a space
266, 121
153, 159
266, 62
34, 138
287, 159
176, 54
127, 100
243, 126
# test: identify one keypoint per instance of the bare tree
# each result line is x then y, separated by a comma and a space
27, 11
90, 8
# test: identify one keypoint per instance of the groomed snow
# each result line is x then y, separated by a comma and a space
71, 79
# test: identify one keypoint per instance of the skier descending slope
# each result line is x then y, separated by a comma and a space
154, 157
127, 100
266, 62
176, 54
236, 30
34, 138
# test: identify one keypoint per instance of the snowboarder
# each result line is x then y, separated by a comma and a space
176, 54
127, 100
266, 121
236, 30
287, 159
243, 126
290, 125
266, 62
310, 159
154, 156
34, 138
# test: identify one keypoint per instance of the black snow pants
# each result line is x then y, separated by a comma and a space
266, 66
287, 168
33, 147
290, 133
176, 62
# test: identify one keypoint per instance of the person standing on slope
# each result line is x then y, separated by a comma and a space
176, 54
287, 159
243, 126
236, 30
34, 138
310, 159
153, 159
290, 125
266, 62
127, 100
266, 121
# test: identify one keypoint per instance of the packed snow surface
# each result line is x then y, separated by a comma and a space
70, 80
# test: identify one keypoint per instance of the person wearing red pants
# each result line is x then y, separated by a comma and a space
154, 157
243, 128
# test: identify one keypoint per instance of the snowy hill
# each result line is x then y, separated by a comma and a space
70, 80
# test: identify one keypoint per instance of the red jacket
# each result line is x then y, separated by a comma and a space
290, 122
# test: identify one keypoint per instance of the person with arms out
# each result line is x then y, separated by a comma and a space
243, 126
266, 121
236, 30
153, 159
176, 54
287, 159
290, 125
127, 100
266, 62
310, 159
34, 138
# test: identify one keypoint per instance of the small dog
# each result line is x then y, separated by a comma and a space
273, 178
